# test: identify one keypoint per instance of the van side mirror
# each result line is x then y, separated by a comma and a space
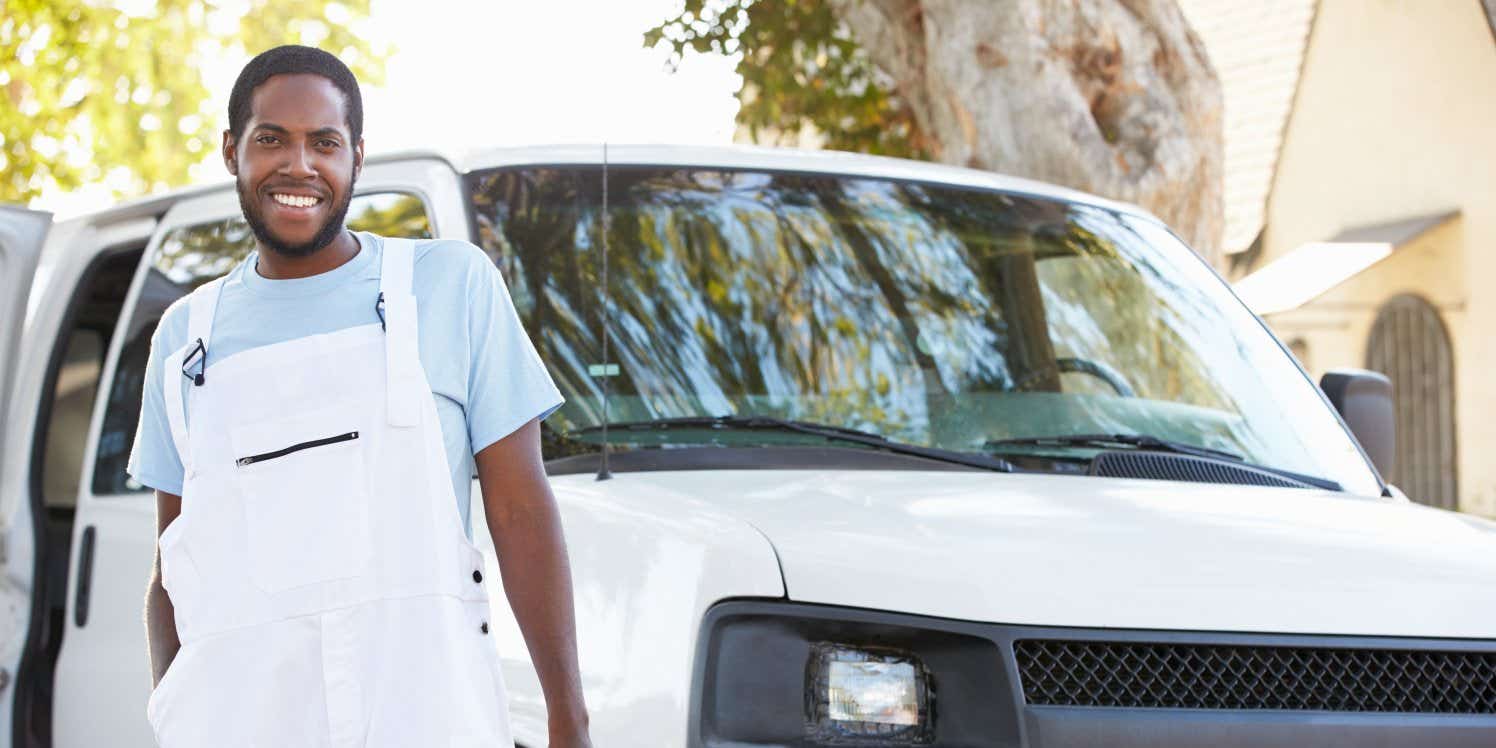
1364, 399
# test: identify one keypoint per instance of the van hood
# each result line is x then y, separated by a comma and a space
1060, 550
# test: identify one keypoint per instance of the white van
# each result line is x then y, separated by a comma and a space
900, 454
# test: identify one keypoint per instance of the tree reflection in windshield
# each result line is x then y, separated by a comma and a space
932, 315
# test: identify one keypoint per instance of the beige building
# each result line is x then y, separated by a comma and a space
1377, 233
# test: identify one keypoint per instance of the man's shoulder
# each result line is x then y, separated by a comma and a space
447, 263
171, 329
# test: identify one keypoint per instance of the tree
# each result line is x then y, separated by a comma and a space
1114, 97
90, 92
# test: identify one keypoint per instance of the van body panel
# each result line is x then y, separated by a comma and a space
644, 571
22, 233
1028, 550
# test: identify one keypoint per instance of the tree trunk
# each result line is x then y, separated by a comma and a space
1113, 97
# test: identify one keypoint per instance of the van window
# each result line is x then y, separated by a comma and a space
72, 406
76, 364
188, 257
945, 317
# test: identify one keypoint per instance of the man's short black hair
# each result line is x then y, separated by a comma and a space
288, 59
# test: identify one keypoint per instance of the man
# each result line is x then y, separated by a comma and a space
307, 424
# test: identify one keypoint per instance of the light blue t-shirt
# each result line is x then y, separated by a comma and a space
484, 372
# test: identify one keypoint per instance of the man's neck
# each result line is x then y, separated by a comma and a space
274, 266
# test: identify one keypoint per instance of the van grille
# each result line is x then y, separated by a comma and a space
1194, 676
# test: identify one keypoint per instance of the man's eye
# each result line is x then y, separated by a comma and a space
266, 139
324, 143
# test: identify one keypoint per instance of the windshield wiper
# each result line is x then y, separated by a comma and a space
831, 433
1139, 441
1154, 444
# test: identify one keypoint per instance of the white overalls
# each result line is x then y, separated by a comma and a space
326, 593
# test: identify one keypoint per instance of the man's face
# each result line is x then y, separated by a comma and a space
294, 165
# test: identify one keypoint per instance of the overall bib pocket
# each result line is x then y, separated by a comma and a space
303, 482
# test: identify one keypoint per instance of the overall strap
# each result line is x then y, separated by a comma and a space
171, 383
203, 305
401, 344
191, 360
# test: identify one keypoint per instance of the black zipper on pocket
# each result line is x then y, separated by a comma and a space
252, 459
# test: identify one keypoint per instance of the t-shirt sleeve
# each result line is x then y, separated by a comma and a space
154, 461
507, 384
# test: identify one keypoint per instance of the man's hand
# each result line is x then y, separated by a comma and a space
526, 531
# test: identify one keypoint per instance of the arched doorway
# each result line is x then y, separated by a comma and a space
1409, 344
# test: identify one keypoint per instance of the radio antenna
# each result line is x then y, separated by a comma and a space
603, 472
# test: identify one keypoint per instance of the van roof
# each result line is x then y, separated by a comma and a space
730, 157
779, 159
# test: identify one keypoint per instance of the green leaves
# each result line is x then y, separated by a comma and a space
800, 67
90, 92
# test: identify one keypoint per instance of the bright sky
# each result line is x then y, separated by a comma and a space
512, 72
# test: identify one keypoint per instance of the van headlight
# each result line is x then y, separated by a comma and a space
775, 673
853, 692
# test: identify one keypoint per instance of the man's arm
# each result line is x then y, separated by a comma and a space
526, 530
160, 616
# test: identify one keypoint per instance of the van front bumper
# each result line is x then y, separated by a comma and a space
1003, 685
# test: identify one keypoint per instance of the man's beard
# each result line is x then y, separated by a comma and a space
322, 238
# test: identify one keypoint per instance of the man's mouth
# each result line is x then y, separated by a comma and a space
295, 201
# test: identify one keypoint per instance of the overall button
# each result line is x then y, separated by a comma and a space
484, 627
477, 576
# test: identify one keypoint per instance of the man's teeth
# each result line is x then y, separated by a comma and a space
296, 201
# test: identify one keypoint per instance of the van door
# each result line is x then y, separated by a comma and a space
77, 293
21, 235
103, 676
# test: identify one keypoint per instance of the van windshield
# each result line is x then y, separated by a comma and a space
941, 316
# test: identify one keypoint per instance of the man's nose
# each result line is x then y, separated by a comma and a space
298, 163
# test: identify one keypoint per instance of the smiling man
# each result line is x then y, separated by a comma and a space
310, 423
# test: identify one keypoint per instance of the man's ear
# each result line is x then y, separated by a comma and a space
358, 158
230, 160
